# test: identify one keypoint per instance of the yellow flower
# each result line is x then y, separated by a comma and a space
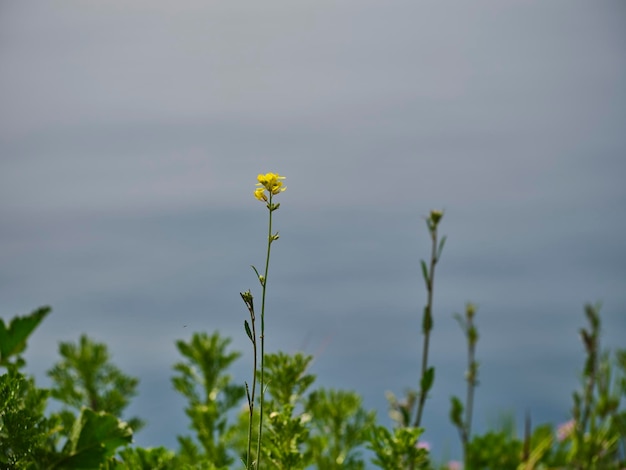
259, 193
270, 182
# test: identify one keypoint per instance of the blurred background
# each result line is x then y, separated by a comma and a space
131, 135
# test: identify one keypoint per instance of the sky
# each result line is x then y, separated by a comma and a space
131, 135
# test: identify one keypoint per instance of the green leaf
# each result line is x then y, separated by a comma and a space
94, 438
424, 271
427, 380
255, 271
248, 332
427, 320
13, 339
456, 412
441, 244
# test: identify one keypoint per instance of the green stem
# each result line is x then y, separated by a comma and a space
471, 384
251, 397
262, 381
428, 311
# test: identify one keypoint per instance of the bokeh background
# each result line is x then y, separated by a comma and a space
131, 134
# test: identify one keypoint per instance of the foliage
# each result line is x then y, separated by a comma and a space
598, 439
28, 438
338, 429
287, 428
203, 381
24, 430
464, 424
398, 450
14, 336
157, 458
85, 377
304, 427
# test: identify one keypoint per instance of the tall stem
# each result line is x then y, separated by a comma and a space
471, 382
428, 322
270, 238
252, 396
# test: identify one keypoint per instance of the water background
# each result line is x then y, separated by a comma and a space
131, 137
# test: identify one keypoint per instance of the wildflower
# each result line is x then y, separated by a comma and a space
565, 430
271, 182
259, 193
454, 465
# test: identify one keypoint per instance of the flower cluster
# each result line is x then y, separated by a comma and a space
270, 182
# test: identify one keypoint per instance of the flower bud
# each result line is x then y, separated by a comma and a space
470, 310
435, 216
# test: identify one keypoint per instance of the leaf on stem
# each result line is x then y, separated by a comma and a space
427, 380
441, 244
456, 412
425, 271
255, 270
248, 332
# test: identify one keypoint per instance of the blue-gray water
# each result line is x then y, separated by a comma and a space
130, 140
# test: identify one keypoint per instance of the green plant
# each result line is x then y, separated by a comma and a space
14, 336
28, 438
273, 185
210, 394
287, 424
303, 427
398, 450
25, 433
85, 377
464, 424
428, 373
338, 429
599, 424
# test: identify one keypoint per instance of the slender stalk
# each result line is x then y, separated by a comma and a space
270, 239
472, 371
428, 322
252, 395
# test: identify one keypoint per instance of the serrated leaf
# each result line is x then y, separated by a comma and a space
248, 331
94, 438
13, 338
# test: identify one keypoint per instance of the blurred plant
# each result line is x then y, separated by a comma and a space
13, 337
401, 411
428, 373
599, 428
398, 450
270, 183
287, 424
338, 429
28, 439
210, 395
94, 438
495, 450
464, 425
137, 458
85, 377
25, 433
